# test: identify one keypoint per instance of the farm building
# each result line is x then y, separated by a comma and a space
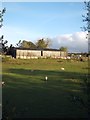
38, 53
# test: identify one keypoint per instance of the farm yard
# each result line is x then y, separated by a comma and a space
27, 94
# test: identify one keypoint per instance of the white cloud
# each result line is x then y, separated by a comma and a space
75, 42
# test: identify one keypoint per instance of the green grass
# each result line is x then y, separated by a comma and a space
26, 94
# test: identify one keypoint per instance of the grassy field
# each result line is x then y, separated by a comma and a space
26, 94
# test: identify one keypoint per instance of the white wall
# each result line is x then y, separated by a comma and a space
51, 54
27, 54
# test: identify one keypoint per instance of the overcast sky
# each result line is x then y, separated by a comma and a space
59, 21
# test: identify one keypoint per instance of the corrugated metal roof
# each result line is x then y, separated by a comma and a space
47, 49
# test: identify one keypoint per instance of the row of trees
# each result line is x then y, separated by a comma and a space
40, 44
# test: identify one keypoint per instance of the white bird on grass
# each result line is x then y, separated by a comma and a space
46, 78
62, 68
3, 83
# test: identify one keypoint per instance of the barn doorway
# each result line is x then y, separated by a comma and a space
41, 53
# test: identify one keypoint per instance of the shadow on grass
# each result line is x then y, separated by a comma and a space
53, 76
63, 74
27, 94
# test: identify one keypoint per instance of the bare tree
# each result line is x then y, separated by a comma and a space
3, 43
86, 18
1, 16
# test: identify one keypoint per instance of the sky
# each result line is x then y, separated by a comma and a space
59, 21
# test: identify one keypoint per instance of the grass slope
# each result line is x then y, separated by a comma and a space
26, 94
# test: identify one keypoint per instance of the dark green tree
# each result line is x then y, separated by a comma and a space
63, 49
11, 51
43, 43
26, 44
3, 45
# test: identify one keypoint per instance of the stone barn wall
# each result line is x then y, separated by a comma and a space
27, 54
52, 54
63, 54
